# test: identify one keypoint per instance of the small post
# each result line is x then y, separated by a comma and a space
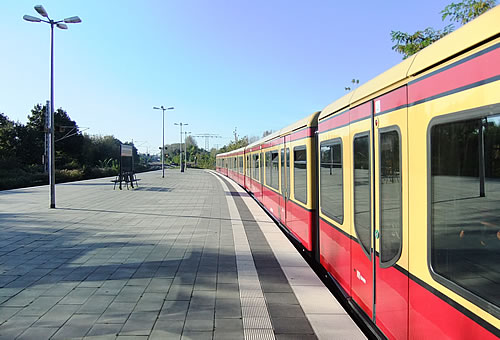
180, 150
121, 172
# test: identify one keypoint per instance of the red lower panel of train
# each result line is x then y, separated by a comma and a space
405, 306
271, 200
392, 301
299, 221
335, 254
431, 316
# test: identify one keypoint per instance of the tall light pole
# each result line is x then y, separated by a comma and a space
180, 146
62, 25
185, 148
163, 138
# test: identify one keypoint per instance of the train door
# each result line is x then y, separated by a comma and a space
261, 175
285, 179
390, 232
362, 250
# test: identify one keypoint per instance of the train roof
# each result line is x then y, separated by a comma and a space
477, 31
311, 120
232, 152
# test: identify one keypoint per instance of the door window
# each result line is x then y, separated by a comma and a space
390, 198
362, 182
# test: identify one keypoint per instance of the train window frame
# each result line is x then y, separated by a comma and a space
267, 168
328, 142
282, 170
249, 165
262, 161
397, 256
465, 115
254, 167
287, 175
368, 252
294, 149
274, 172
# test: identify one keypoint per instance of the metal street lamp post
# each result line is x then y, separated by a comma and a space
61, 24
163, 138
185, 148
180, 145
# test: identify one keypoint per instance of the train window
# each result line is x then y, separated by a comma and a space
256, 167
362, 182
261, 173
465, 201
331, 179
300, 173
241, 164
274, 170
268, 167
282, 164
390, 198
287, 175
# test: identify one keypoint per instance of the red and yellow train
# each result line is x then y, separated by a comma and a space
395, 188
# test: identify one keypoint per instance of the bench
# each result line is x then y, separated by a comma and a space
127, 177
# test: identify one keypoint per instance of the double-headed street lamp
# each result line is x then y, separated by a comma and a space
180, 145
163, 138
62, 25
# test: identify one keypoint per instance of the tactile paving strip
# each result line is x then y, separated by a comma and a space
258, 334
256, 321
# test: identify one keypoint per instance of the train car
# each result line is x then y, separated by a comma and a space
409, 190
253, 181
221, 165
234, 165
291, 156
404, 178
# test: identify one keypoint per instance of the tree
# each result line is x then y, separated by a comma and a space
99, 148
67, 136
234, 145
408, 44
266, 133
9, 138
467, 10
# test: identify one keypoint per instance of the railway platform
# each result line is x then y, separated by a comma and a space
188, 256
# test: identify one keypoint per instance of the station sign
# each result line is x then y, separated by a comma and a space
126, 150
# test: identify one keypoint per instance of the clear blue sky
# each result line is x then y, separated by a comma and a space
254, 65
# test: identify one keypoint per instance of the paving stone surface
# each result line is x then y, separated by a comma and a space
155, 262
111, 264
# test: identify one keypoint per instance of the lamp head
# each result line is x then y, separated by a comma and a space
41, 11
62, 26
31, 18
72, 20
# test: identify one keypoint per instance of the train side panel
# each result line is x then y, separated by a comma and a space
450, 109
